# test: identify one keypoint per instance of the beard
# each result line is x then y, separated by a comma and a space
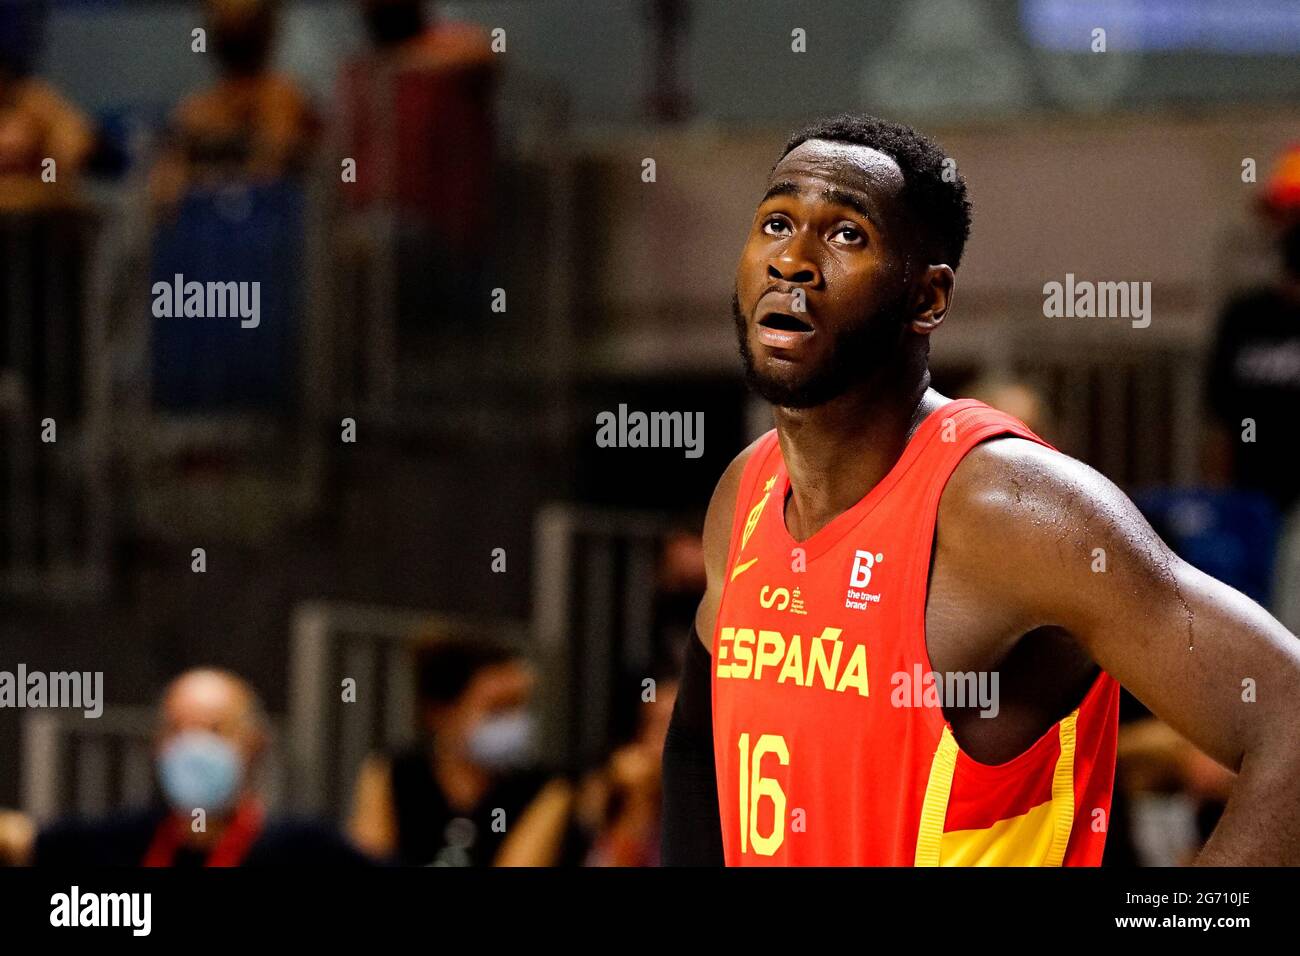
857, 354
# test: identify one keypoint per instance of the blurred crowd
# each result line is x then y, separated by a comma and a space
468, 791
473, 787
408, 135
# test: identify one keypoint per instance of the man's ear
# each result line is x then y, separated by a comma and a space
931, 298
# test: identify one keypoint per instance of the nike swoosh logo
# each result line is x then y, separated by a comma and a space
736, 571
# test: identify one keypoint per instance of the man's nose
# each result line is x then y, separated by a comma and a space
794, 265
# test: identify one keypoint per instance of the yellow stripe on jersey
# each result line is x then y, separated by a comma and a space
1063, 792
935, 809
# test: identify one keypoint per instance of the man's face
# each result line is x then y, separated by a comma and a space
830, 227
495, 690
208, 742
209, 702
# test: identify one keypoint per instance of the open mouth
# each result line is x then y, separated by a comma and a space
783, 331
784, 323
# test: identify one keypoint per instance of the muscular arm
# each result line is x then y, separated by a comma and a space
692, 830
1214, 665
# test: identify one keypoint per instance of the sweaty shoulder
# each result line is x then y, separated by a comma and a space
717, 539
1024, 521
1012, 479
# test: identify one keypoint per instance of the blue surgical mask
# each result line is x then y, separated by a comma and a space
200, 769
503, 742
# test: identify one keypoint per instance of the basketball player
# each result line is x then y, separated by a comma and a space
918, 612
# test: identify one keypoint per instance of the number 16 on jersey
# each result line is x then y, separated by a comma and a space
754, 786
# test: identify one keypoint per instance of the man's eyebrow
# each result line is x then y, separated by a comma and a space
783, 188
831, 194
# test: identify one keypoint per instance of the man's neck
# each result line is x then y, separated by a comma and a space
463, 783
837, 452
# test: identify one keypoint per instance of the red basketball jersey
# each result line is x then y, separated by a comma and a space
830, 743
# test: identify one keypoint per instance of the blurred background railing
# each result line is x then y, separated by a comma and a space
53, 501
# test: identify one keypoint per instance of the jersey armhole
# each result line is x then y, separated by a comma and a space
1004, 426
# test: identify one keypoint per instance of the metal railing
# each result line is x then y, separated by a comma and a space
1129, 405
593, 616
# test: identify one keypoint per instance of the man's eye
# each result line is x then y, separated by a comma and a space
773, 227
851, 234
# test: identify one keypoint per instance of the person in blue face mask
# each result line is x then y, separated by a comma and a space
468, 793
212, 735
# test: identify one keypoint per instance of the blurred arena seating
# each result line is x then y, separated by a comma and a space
53, 502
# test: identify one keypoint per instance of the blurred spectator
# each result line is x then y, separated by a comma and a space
418, 119
467, 793
1254, 370
46, 231
212, 735
36, 123
621, 803
251, 124
417, 116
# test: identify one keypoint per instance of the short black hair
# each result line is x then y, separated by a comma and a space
937, 203
446, 667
